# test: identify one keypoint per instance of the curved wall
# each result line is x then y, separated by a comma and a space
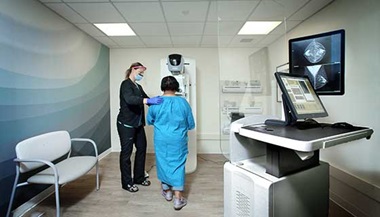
52, 77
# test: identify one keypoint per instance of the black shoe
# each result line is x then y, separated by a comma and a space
131, 188
146, 182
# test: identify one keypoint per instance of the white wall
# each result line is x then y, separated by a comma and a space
209, 62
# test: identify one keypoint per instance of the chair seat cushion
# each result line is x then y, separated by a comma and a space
68, 170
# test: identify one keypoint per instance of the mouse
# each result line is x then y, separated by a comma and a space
343, 125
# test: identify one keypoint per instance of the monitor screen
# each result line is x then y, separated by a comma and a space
321, 58
300, 97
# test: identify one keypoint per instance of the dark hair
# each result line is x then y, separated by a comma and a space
169, 83
128, 72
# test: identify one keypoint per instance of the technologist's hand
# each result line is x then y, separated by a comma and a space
155, 100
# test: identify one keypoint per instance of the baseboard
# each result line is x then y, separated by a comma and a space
353, 194
30, 204
104, 153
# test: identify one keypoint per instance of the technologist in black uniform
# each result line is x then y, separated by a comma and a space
130, 127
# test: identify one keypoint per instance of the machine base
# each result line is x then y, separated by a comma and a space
250, 191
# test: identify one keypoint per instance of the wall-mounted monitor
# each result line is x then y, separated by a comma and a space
321, 58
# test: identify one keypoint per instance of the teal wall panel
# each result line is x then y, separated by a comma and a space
52, 77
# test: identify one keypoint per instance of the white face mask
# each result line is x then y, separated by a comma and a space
138, 77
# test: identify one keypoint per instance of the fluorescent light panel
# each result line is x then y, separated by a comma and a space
258, 27
115, 29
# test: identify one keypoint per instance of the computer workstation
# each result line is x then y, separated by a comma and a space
275, 163
301, 104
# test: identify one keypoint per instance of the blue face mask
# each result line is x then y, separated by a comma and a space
138, 77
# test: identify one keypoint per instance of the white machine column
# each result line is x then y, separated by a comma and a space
185, 73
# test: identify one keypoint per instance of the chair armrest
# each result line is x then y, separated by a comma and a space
86, 140
48, 163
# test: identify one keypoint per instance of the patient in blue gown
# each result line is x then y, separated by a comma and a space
171, 120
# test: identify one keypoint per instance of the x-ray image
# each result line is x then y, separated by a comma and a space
321, 58
314, 53
317, 75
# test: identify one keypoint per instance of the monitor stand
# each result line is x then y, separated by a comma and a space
289, 118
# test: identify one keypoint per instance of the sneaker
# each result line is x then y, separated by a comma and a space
146, 182
131, 188
168, 195
179, 203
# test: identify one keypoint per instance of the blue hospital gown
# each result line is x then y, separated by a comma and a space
171, 120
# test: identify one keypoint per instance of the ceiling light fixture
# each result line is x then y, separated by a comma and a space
258, 27
115, 29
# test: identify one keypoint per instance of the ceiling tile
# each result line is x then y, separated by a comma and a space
45, 1
223, 28
133, 0
209, 40
71, 1
309, 9
239, 40
179, 29
149, 29
141, 12
280, 29
97, 12
276, 10
231, 10
190, 23
90, 29
291, 5
269, 39
105, 40
216, 40
211, 28
185, 11
157, 41
230, 28
66, 12
269, 11
186, 40
131, 41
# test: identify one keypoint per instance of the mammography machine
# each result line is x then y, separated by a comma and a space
274, 167
184, 70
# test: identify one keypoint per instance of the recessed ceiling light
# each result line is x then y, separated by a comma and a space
115, 29
258, 27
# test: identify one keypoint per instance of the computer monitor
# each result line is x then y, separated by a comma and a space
299, 98
321, 57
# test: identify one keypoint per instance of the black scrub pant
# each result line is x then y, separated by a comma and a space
128, 137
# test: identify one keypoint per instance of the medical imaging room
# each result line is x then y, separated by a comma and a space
166, 108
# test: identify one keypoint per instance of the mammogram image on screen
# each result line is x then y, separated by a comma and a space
317, 75
314, 52
320, 59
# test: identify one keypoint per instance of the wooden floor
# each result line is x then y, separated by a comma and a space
204, 190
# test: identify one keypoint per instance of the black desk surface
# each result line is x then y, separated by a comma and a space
305, 139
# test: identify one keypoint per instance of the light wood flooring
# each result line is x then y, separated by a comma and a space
204, 190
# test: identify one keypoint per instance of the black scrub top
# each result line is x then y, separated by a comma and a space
131, 110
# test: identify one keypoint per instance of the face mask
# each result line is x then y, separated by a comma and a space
138, 77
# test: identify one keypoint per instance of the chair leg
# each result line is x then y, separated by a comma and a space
13, 191
57, 199
97, 176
